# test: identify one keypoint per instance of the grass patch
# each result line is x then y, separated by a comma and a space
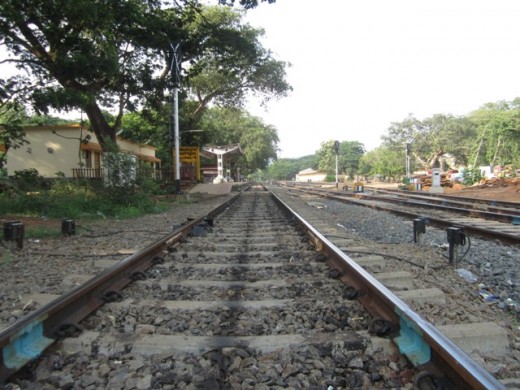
80, 201
41, 232
6, 258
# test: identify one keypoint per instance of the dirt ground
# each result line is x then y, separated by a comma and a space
507, 190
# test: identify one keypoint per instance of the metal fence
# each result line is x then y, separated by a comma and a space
164, 175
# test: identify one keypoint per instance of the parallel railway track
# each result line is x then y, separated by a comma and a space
494, 206
252, 263
488, 219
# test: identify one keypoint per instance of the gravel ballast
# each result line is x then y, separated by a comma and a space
42, 265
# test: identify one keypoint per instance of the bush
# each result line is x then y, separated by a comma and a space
330, 178
471, 176
67, 199
29, 180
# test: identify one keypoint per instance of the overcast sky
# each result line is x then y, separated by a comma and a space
358, 66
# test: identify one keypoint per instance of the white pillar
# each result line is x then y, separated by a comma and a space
177, 139
436, 181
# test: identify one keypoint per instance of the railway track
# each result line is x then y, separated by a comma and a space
494, 206
245, 302
495, 220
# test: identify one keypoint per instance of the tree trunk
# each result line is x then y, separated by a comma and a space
478, 152
423, 163
496, 151
105, 134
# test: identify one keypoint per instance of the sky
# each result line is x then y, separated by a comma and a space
358, 66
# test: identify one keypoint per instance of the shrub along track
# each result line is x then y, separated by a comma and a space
248, 304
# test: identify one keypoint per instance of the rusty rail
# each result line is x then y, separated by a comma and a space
364, 200
419, 340
27, 338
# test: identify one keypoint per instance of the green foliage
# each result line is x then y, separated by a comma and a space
148, 185
120, 177
498, 138
12, 134
28, 180
349, 156
260, 175
259, 142
150, 126
87, 55
233, 63
41, 232
471, 176
288, 168
282, 169
384, 161
247, 4
432, 140
488, 136
46, 120
6, 258
330, 178
78, 200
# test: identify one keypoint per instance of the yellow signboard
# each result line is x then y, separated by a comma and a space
190, 155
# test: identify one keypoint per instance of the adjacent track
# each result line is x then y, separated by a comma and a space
244, 261
487, 219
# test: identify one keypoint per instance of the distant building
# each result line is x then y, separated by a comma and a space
310, 175
71, 150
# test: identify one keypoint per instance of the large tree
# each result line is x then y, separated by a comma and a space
498, 134
433, 140
288, 168
349, 155
246, 3
384, 162
94, 54
232, 65
84, 54
259, 142
12, 134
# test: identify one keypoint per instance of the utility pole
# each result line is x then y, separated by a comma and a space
408, 160
175, 70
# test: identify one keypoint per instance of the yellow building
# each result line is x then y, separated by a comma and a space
310, 175
71, 150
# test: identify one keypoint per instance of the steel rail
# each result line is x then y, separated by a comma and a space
443, 197
511, 213
434, 221
419, 340
27, 338
501, 216
498, 205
